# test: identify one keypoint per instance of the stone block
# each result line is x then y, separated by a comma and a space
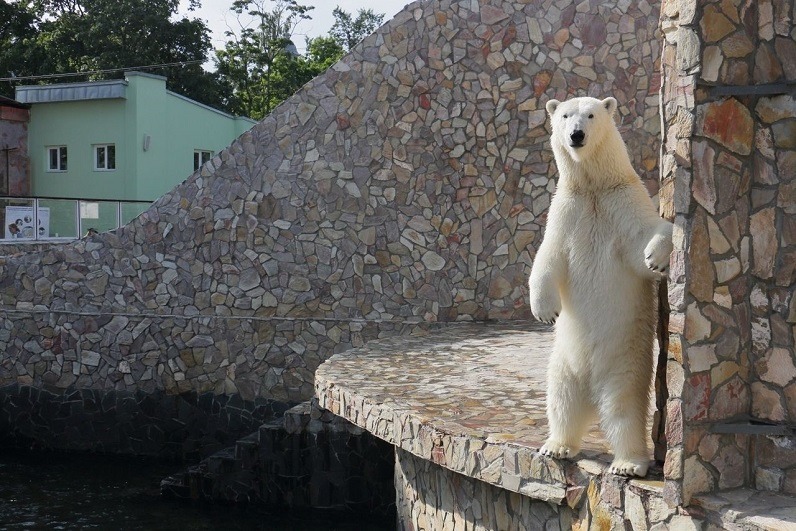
727, 122
769, 478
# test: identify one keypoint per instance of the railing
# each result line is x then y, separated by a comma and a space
30, 219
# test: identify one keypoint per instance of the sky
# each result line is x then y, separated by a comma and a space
219, 18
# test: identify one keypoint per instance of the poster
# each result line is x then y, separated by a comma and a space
19, 223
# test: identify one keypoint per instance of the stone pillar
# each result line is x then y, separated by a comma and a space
727, 168
14, 158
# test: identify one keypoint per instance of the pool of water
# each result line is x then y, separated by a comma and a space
50, 490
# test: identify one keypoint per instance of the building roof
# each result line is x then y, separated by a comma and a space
91, 90
8, 102
98, 90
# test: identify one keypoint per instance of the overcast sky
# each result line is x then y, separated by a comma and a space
219, 18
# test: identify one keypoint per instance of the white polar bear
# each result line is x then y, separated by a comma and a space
595, 277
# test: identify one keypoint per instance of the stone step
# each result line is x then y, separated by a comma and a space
247, 451
307, 458
310, 417
188, 484
747, 509
175, 486
221, 462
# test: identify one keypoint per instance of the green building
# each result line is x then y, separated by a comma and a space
129, 140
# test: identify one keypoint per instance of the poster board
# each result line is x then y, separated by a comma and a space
20, 223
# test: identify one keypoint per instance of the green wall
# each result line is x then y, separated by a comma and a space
78, 125
176, 126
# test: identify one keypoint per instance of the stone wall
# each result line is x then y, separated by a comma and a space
12, 249
407, 184
432, 497
183, 427
728, 167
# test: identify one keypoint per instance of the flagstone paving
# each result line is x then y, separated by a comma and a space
468, 397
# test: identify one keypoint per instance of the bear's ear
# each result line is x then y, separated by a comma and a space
551, 106
610, 105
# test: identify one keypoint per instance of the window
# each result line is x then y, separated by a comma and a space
200, 157
56, 158
89, 210
105, 157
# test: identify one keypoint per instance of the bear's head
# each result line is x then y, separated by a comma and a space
581, 124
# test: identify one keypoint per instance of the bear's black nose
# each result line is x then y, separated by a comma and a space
577, 137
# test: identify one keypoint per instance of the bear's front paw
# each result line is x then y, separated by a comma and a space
656, 255
629, 467
546, 309
548, 317
558, 450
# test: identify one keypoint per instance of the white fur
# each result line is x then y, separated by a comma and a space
594, 276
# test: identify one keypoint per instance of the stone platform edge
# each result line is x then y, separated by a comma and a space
508, 465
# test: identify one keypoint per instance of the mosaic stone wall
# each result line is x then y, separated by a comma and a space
407, 184
728, 167
432, 497
11, 249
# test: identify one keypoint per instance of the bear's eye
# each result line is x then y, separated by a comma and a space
565, 116
591, 116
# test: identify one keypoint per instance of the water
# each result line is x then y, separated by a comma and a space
48, 490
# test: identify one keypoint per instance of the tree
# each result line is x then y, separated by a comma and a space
349, 31
258, 64
290, 72
88, 35
261, 63
323, 52
17, 28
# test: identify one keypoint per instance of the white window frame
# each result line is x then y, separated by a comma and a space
58, 168
105, 158
200, 157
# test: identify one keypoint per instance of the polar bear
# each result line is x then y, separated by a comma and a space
595, 277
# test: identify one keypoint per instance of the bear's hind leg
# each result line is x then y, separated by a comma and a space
624, 422
569, 412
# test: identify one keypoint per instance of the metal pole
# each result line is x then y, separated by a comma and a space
36, 218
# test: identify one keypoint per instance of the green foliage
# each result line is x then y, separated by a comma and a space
323, 52
258, 68
349, 31
258, 87
17, 29
260, 64
84, 35
256, 63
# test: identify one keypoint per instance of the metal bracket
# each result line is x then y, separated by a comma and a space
754, 427
768, 89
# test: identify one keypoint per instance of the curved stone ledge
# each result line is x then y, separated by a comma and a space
469, 398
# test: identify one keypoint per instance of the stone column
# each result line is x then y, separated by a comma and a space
727, 169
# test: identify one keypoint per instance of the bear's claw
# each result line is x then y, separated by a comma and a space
557, 450
550, 321
545, 306
623, 467
657, 266
656, 255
